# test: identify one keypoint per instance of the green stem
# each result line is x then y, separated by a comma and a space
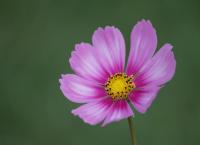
131, 128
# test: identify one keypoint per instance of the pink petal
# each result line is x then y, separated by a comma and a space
84, 62
143, 45
143, 98
156, 72
80, 90
94, 112
118, 111
110, 47
159, 70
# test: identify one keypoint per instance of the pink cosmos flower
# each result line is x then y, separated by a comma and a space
103, 84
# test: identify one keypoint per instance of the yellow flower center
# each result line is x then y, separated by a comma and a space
119, 86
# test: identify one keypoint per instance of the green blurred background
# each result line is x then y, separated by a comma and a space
36, 39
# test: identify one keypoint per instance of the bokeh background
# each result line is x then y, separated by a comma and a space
36, 39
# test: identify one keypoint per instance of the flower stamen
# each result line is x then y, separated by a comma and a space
118, 86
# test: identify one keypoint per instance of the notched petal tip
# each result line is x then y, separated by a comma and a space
74, 112
168, 46
105, 29
61, 79
144, 22
146, 25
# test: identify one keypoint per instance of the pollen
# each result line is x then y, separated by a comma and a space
118, 86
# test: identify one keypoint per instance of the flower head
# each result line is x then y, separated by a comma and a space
102, 82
